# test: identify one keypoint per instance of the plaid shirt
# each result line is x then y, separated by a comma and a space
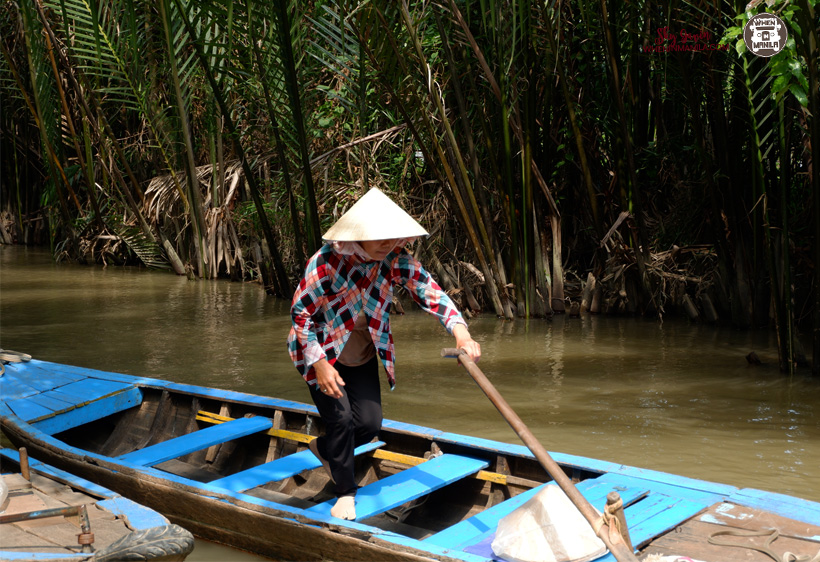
337, 287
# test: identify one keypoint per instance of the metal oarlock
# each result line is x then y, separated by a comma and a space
86, 537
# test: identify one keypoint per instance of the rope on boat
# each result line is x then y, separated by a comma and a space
766, 549
610, 518
9, 356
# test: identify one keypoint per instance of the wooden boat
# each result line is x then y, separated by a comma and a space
235, 468
47, 514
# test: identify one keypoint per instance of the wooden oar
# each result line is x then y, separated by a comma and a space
615, 545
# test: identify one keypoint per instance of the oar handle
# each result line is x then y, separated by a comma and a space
621, 552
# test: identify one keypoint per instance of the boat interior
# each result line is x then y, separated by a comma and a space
445, 490
265, 454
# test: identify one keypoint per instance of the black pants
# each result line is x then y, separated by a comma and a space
350, 421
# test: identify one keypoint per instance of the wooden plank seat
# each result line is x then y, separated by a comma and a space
29, 408
202, 439
483, 525
118, 401
400, 458
44, 379
38, 404
278, 469
407, 485
74, 404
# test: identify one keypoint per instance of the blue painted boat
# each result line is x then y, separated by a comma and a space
49, 515
235, 468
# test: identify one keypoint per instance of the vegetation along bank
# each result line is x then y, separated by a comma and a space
611, 156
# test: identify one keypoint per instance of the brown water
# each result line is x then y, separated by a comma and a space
671, 396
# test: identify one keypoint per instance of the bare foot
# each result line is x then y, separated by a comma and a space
345, 508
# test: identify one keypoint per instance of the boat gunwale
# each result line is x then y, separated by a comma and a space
353, 529
136, 519
567, 460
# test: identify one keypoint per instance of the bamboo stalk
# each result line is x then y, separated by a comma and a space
279, 146
83, 96
35, 112
811, 45
512, 121
194, 191
92, 195
480, 190
450, 177
482, 247
468, 136
626, 138
269, 247
488, 74
314, 236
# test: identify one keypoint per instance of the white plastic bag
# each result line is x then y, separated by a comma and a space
548, 528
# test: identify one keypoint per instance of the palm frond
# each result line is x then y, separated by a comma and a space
110, 60
44, 98
98, 47
145, 248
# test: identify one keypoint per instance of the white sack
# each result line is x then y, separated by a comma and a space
548, 528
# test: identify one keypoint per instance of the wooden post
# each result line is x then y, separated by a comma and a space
24, 468
586, 298
595, 305
709, 311
617, 546
275, 444
210, 456
690, 308
615, 507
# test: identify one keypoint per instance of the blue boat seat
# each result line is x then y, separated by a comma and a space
407, 485
184, 444
655, 515
278, 469
482, 525
52, 402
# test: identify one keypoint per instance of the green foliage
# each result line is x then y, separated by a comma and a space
459, 108
788, 68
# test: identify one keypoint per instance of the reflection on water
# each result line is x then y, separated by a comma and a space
675, 397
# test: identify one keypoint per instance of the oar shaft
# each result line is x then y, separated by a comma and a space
621, 552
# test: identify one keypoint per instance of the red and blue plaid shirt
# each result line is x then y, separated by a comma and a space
336, 288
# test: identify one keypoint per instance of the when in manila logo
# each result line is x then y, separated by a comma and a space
765, 35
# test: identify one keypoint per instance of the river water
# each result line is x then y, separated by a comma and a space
672, 396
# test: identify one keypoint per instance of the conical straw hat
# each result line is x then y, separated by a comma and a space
374, 217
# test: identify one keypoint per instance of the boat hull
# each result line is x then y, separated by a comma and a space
251, 527
235, 469
118, 529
